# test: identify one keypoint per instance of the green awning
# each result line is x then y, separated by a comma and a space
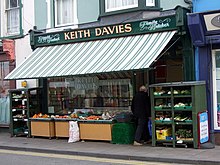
100, 56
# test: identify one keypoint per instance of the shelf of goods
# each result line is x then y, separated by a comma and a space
175, 108
91, 127
23, 103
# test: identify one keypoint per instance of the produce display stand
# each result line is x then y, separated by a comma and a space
95, 130
24, 103
62, 127
174, 108
43, 127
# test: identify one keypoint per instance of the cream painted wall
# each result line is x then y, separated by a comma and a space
22, 46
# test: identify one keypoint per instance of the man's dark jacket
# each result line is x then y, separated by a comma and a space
140, 106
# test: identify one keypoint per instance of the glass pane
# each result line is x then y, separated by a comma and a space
217, 60
112, 5
150, 2
59, 9
68, 94
13, 3
7, 4
13, 21
65, 12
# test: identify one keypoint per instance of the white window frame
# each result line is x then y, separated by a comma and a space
15, 28
119, 6
74, 14
214, 70
150, 2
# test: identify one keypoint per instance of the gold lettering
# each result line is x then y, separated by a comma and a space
72, 35
76, 34
116, 29
66, 36
128, 28
105, 31
121, 28
87, 33
80, 33
111, 30
98, 31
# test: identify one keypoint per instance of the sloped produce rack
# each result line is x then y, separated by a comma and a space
175, 108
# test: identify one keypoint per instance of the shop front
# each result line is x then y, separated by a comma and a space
205, 32
97, 70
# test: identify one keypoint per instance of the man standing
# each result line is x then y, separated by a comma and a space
141, 109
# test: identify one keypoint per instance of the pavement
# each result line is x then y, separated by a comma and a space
108, 150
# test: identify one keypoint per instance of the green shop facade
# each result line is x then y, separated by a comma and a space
77, 67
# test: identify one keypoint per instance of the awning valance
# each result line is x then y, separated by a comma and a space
115, 54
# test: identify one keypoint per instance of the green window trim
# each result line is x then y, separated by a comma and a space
20, 10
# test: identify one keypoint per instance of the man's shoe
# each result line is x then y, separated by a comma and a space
148, 142
137, 144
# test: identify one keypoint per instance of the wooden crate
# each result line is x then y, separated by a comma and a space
43, 128
61, 128
95, 131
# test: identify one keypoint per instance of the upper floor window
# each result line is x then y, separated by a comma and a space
150, 2
65, 12
13, 16
113, 5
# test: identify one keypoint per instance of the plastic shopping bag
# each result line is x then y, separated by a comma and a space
73, 132
150, 127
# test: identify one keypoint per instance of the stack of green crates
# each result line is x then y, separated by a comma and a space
123, 133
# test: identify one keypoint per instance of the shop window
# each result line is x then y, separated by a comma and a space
66, 95
65, 12
216, 87
13, 16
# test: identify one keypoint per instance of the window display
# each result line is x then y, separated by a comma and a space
67, 94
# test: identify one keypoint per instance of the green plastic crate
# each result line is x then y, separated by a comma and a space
123, 133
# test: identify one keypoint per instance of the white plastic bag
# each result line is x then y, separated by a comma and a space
73, 132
